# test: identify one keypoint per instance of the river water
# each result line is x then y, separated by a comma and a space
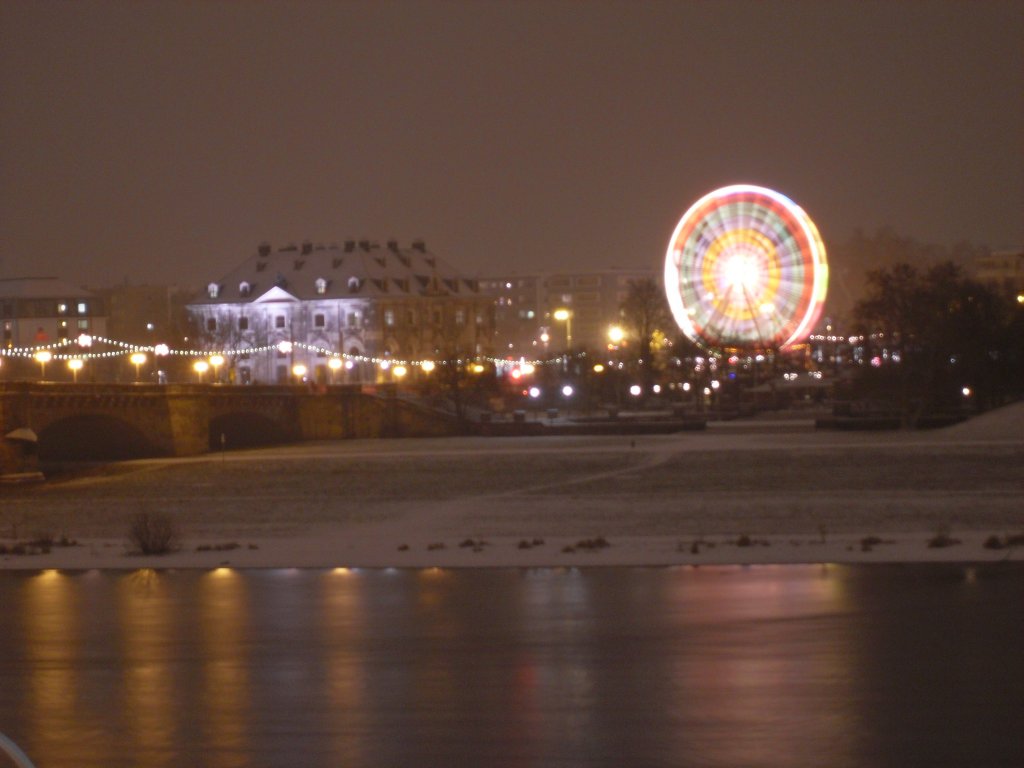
917, 665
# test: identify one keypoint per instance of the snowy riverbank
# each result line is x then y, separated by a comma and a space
728, 495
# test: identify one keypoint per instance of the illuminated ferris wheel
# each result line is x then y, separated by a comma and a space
746, 268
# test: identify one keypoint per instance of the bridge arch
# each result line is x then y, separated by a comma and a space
86, 436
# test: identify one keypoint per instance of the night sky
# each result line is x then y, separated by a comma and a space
160, 142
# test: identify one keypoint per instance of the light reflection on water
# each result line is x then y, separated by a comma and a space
768, 666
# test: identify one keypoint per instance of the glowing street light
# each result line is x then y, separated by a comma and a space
427, 366
400, 371
137, 358
616, 335
200, 367
43, 356
299, 371
75, 365
335, 365
216, 361
563, 315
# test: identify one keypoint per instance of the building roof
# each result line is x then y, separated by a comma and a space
41, 288
354, 269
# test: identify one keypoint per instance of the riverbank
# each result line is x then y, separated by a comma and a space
726, 495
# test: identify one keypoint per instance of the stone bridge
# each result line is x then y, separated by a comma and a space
115, 421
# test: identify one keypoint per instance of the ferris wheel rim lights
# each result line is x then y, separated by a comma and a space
746, 267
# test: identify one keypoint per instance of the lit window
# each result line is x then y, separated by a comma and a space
389, 317
243, 288
321, 286
62, 308
353, 284
213, 289
83, 308
460, 316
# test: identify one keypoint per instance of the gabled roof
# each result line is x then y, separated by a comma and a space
354, 269
275, 294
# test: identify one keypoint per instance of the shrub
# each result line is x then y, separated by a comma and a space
153, 534
941, 540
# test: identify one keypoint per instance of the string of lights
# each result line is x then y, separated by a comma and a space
85, 351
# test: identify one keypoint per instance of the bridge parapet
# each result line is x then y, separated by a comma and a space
186, 419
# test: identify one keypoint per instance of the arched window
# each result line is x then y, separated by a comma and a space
353, 284
213, 289
244, 288
321, 286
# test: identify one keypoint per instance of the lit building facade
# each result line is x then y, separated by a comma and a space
526, 309
296, 307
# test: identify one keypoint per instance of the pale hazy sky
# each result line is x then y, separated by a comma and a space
162, 141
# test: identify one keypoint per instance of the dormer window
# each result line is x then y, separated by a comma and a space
244, 288
213, 289
353, 284
321, 286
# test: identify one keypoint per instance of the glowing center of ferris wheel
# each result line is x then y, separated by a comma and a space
743, 271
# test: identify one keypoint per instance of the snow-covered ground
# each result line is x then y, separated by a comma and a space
797, 495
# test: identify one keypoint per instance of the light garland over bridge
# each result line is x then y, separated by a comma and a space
61, 350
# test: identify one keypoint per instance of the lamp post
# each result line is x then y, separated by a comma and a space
334, 364
43, 356
216, 361
137, 358
200, 367
299, 371
565, 316
75, 365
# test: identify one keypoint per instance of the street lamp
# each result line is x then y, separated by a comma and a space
200, 367
75, 365
138, 358
43, 356
215, 362
565, 316
335, 365
299, 371
616, 335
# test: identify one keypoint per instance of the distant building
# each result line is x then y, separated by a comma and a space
359, 299
35, 311
1001, 270
146, 314
526, 305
